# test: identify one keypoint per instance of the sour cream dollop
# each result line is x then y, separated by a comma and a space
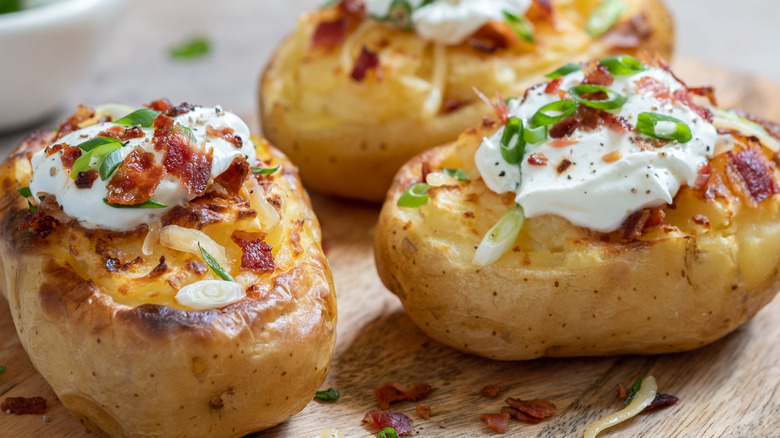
86, 204
451, 21
603, 176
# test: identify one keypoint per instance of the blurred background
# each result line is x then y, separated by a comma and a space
135, 65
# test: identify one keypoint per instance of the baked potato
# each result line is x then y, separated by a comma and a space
588, 272
211, 316
350, 98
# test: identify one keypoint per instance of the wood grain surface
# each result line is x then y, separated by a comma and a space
728, 389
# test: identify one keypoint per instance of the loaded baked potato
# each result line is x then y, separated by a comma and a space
361, 87
165, 274
613, 212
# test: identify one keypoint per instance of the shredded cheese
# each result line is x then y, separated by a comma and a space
641, 400
432, 102
152, 237
210, 294
187, 239
266, 212
346, 48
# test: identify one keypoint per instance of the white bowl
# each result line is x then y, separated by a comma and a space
45, 52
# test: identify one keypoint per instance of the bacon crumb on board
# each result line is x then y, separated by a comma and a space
24, 405
388, 394
423, 411
497, 422
382, 419
659, 401
490, 391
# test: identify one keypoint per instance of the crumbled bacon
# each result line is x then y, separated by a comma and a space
589, 119
490, 391
389, 394
598, 75
331, 33
135, 179
41, 224
122, 133
233, 177
497, 422
640, 222
256, 254
182, 159
750, 171
492, 36
366, 60
382, 419
537, 159
69, 155
629, 34
708, 92
226, 134
553, 86
654, 87
24, 405
85, 179
565, 127
682, 96
536, 408
423, 411
72, 123
563, 165
661, 400
160, 105
703, 175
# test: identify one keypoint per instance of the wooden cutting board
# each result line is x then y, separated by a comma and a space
728, 389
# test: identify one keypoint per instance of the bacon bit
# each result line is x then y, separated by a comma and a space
749, 170
451, 105
382, 419
565, 127
174, 111
227, 134
612, 157
53, 149
519, 415
546, 6
423, 411
388, 394
367, 60
537, 159
703, 175
553, 86
233, 177
598, 75
352, 8
661, 400
85, 179
492, 36
702, 220
135, 179
502, 112
425, 169
191, 166
682, 96
160, 105
708, 92
629, 34
563, 142
256, 254
40, 224
330, 34
650, 85
160, 269
69, 155
24, 405
72, 123
536, 408
622, 393
642, 221
497, 422
122, 133
490, 391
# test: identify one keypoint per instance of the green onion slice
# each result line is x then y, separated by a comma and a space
458, 174
500, 238
521, 26
109, 164
24, 191
143, 117
264, 170
31, 207
150, 203
564, 70
622, 65
197, 47
534, 135
82, 164
663, 127
604, 16
415, 196
553, 112
729, 120
99, 153
399, 15
2, 369
214, 265
329, 395
512, 142
634, 389
90, 144
614, 99
387, 432
185, 131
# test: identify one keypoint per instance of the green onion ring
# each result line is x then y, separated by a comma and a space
663, 127
415, 196
512, 143
109, 164
553, 112
564, 70
604, 16
534, 135
614, 99
143, 117
622, 65
95, 142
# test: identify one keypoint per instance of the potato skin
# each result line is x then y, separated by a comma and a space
564, 290
349, 138
156, 370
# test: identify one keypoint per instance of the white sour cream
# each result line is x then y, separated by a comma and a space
451, 21
593, 191
86, 205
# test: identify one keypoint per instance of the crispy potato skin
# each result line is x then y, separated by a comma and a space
124, 358
564, 290
349, 138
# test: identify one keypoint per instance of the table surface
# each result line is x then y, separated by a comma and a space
730, 388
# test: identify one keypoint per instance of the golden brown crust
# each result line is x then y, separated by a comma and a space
349, 137
564, 290
99, 322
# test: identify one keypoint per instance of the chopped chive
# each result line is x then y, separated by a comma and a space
150, 203
459, 174
143, 117
663, 127
90, 144
264, 170
24, 191
330, 394
387, 432
97, 152
622, 65
512, 143
634, 389
399, 15
214, 265
564, 70
553, 112
186, 131
521, 26
415, 196
2, 369
536, 134
110, 163
604, 16
31, 207
197, 47
614, 99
